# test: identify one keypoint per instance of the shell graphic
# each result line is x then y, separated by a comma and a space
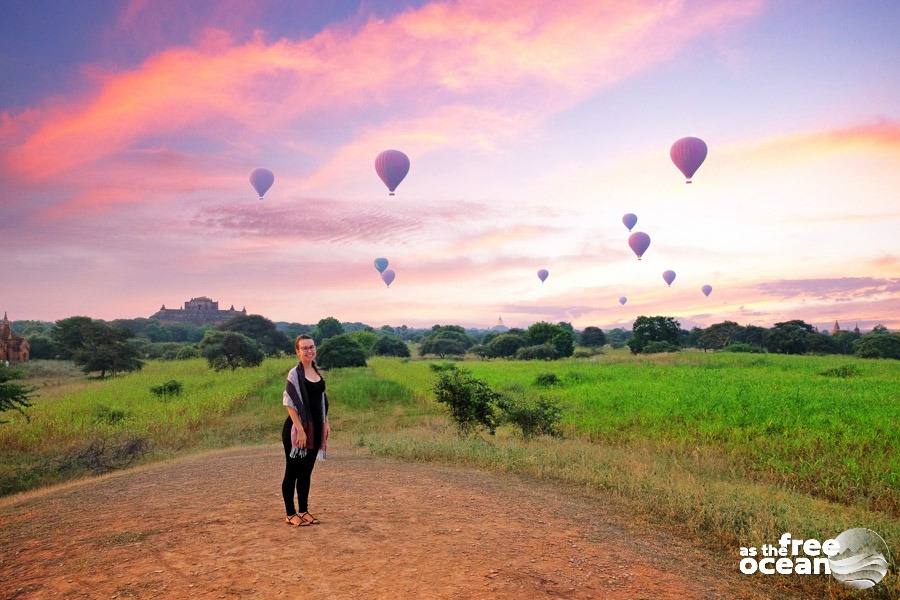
861, 562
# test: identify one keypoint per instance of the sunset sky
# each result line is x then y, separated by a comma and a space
128, 131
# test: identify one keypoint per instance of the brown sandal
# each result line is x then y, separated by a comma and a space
290, 521
311, 521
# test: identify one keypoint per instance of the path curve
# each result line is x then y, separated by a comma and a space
210, 526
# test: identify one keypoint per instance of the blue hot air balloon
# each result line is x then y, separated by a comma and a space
542, 275
623, 300
388, 277
629, 220
261, 180
706, 289
381, 264
392, 166
669, 277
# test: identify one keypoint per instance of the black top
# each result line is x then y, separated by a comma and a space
314, 390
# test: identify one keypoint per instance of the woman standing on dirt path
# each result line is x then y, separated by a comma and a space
305, 431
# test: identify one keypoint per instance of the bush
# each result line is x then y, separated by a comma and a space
471, 401
585, 353
656, 347
541, 352
13, 396
389, 345
187, 352
841, 371
341, 351
878, 345
742, 347
505, 345
230, 350
547, 379
441, 367
532, 418
104, 415
102, 455
167, 389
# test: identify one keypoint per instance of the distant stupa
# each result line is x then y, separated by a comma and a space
500, 326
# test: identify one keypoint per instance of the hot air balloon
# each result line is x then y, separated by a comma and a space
542, 275
388, 277
688, 154
392, 166
639, 242
623, 300
669, 277
706, 289
629, 220
261, 180
381, 264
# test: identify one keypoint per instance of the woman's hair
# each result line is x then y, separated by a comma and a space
302, 336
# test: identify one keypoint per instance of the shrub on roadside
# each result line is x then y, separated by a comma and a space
470, 400
533, 418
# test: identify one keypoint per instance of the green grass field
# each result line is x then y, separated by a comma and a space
738, 448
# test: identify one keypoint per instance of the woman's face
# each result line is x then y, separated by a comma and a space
306, 350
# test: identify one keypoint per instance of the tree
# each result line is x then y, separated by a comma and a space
653, 329
42, 346
470, 400
755, 336
593, 337
819, 343
443, 347
879, 345
719, 335
692, 339
230, 350
540, 333
391, 345
113, 355
13, 396
72, 334
879, 330
341, 351
789, 337
843, 341
564, 342
618, 337
366, 340
95, 345
262, 331
505, 345
327, 328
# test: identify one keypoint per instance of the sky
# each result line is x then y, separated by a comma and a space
128, 131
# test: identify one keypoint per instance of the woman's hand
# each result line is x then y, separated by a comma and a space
301, 437
327, 430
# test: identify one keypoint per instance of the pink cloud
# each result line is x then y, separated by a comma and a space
510, 53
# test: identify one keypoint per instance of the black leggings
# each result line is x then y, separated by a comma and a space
297, 472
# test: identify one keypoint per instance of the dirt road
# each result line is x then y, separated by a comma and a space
211, 526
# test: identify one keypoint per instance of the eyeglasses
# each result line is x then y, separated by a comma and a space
307, 348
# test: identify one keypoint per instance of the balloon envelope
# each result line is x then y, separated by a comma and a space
388, 276
392, 166
261, 180
622, 300
542, 274
706, 289
629, 220
688, 154
639, 242
381, 264
669, 277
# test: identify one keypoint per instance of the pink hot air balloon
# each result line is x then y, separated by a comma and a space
388, 277
669, 277
629, 220
706, 289
542, 275
392, 166
639, 242
261, 180
623, 300
688, 154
